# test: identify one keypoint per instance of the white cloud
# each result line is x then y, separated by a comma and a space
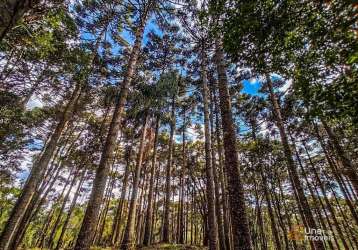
34, 102
286, 86
253, 81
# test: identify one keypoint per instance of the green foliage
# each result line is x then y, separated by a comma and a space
15, 121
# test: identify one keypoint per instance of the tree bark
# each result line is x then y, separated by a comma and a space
37, 174
91, 215
72, 207
51, 237
119, 210
128, 242
11, 11
219, 215
239, 221
226, 220
210, 192
324, 194
349, 168
165, 229
296, 184
149, 212
274, 230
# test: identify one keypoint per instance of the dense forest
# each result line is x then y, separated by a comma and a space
153, 124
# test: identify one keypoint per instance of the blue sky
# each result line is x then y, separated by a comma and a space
251, 87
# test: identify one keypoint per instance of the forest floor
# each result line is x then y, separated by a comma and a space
153, 247
163, 246
173, 247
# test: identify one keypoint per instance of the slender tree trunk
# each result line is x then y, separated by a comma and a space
239, 221
119, 210
345, 222
260, 220
41, 238
37, 174
128, 239
102, 221
139, 213
307, 214
314, 198
166, 219
324, 193
50, 178
181, 225
218, 204
277, 208
226, 221
70, 211
210, 192
149, 212
336, 174
155, 205
274, 230
41, 241
36, 204
51, 237
91, 215
349, 167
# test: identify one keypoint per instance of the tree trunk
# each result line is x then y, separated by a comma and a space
349, 168
165, 230
296, 184
119, 210
274, 230
260, 219
91, 215
336, 174
226, 220
46, 185
239, 221
11, 11
324, 194
129, 237
149, 212
102, 218
51, 237
210, 192
181, 225
69, 213
37, 174
41, 241
219, 215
